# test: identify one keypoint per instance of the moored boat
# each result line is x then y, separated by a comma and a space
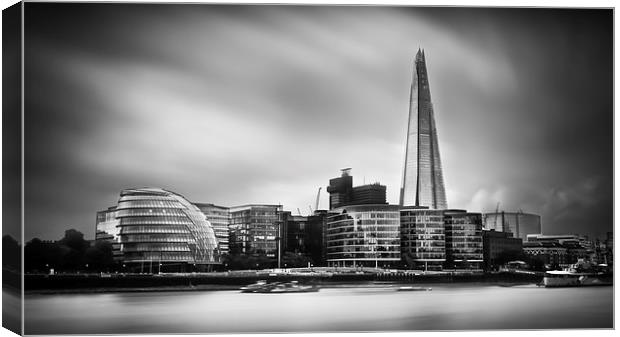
279, 287
564, 278
255, 286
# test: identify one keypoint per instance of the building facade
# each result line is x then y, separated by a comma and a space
340, 190
498, 247
422, 183
255, 230
549, 253
363, 235
463, 233
219, 217
342, 193
303, 235
518, 223
422, 236
107, 229
162, 231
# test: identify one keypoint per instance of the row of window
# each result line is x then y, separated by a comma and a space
136, 247
155, 256
156, 238
369, 256
422, 232
341, 248
155, 220
149, 204
412, 225
150, 212
154, 229
355, 243
423, 244
145, 197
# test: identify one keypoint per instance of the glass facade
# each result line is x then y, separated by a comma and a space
254, 229
219, 217
422, 236
496, 243
158, 226
422, 183
107, 229
463, 239
363, 235
518, 223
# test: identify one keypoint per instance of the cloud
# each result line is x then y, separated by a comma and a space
249, 104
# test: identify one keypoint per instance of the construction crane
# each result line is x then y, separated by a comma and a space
318, 194
298, 211
310, 208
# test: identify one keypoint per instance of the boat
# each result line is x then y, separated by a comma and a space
255, 286
293, 287
279, 287
570, 278
410, 288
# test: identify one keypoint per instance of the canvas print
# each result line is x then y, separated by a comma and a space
256, 168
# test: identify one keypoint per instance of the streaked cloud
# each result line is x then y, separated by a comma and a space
264, 104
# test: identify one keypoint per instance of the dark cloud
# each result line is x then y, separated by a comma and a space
263, 104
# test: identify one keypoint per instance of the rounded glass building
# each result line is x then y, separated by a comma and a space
163, 231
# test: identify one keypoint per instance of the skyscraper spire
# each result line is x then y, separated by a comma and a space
422, 183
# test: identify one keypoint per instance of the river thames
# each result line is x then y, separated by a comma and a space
446, 307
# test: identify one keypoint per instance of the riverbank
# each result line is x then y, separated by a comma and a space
56, 284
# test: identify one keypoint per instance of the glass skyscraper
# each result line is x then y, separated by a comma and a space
422, 183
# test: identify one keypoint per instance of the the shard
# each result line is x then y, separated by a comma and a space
422, 183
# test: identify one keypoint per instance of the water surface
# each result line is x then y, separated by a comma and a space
446, 307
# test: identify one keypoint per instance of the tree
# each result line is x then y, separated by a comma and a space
100, 256
11, 254
293, 260
74, 249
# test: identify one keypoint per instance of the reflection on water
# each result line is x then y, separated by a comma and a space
447, 307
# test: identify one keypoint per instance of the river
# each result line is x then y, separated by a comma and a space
446, 307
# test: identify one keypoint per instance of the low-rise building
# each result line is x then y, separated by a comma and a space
463, 234
219, 217
422, 236
549, 253
499, 247
363, 235
255, 230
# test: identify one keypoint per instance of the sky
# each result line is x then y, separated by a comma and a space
246, 104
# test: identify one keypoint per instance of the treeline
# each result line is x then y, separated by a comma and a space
287, 260
72, 253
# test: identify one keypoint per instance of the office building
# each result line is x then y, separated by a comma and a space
340, 189
219, 217
499, 248
162, 231
303, 235
294, 233
549, 253
463, 235
363, 236
342, 193
107, 229
577, 246
255, 230
518, 223
422, 183
422, 236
